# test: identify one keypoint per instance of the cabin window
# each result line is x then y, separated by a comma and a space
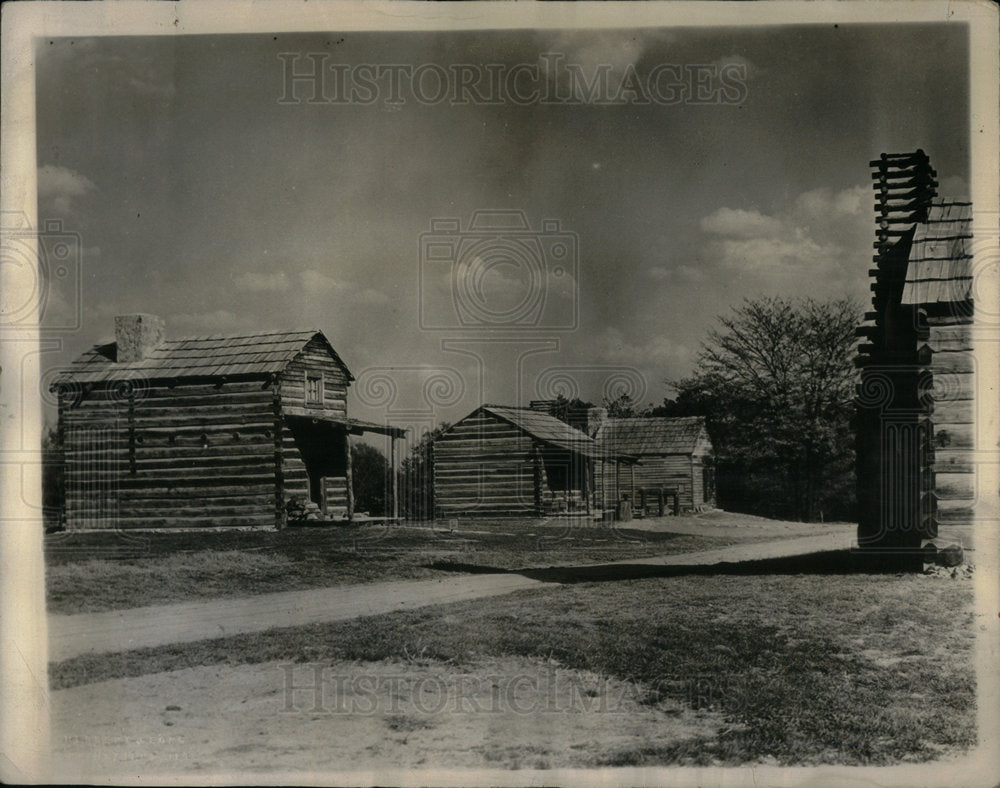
314, 389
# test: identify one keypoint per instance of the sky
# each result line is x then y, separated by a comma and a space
191, 184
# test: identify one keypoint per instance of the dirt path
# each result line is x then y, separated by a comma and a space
124, 630
367, 717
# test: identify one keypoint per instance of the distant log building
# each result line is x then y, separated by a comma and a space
206, 431
672, 454
916, 431
500, 461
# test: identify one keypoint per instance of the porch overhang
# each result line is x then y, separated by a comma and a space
335, 418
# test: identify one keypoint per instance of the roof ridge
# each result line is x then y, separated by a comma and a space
269, 332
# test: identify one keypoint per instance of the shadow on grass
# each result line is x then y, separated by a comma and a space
829, 562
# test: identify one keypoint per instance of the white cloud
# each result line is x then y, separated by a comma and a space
257, 282
824, 205
740, 223
59, 186
815, 237
315, 281
580, 62
307, 283
611, 345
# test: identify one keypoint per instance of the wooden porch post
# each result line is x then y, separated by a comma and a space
349, 475
537, 473
392, 476
430, 506
279, 471
586, 482
618, 483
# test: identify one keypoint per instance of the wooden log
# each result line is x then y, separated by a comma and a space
956, 336
193, 522
953, 387
147, 453
951, 412
954, 436
953, 461
955, 511
193, 509
165, 409
949, 318
953, 362
955, 486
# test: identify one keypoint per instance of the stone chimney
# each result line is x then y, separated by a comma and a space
595, 418
137, 335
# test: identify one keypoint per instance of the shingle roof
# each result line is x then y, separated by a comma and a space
652, 435
214, 355
547, 428
940, 262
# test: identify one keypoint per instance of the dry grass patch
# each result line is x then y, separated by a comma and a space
110, 571
798, 666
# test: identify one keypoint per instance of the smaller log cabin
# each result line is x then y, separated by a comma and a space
207, 431
673, 455
507, 461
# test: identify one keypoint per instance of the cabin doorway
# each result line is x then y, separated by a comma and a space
321, 446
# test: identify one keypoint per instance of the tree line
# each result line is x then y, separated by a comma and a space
775, 382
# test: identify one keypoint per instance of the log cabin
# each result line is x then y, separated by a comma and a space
674, 456
513, 461
915, 437
207, 431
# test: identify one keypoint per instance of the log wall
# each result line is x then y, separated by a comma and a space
170, 456
681, 471
953, 416
484, 466
315, 358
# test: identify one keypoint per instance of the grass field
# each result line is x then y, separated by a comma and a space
805, 660
108, 571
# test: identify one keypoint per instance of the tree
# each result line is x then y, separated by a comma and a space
370, 472
416, 478
624, 407
621, 407
776, 385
